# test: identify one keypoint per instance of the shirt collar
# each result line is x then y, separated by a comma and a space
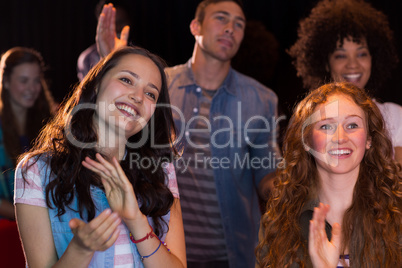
229, 84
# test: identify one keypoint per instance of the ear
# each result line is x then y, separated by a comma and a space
368, 143
195, 27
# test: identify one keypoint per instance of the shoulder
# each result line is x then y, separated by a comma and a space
177, 69
248, 86
175, 72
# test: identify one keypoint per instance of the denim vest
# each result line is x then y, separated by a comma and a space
62, 233
239, 98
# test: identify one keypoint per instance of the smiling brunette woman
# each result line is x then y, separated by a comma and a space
336, 152
25, 106
77, 188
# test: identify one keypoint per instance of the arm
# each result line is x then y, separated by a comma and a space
37, 238
323, 253
106, 37
122, 200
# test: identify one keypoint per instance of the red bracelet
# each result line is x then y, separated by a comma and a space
148, 235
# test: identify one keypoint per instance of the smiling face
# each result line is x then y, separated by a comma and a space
220, 33
24, 86
127, 95
351, 62
339, 136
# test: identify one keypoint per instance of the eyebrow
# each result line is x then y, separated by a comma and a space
138, 77
347, 117
228, 14
343, 49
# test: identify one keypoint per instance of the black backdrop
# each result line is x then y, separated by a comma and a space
60, 30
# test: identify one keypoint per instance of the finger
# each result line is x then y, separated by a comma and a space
97, 221
111, 240
125, 33
105, 230
120, 172
97, 167
111, 170
336, 235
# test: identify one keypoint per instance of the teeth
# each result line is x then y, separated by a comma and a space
352, 76
340, 152
126, 108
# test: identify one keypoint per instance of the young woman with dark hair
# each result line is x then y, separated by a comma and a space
25, 106
101, 175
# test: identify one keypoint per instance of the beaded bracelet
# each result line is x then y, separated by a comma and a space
144, 257
148, 235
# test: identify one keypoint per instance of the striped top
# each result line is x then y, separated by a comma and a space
340, 263
199, 202
33, 193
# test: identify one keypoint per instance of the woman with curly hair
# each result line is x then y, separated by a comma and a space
25, 106
101, 175
349, 40
336, 152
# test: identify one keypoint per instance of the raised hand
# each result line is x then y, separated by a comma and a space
106, 37
119, 191
323, 253
97, 235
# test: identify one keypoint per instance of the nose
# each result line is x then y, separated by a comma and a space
352, 62
137, 96
229, 28
340, 136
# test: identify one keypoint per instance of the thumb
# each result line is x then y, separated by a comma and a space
336, 235
125, 33
75, 224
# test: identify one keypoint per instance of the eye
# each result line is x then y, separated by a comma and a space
363, 54
240, 25
340, 56
126, 80
326, 127
352, 126
151, 95
221, 18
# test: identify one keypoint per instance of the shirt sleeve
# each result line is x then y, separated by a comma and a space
30, 191
172, 181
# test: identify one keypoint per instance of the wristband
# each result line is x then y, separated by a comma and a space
148, 235
144, 257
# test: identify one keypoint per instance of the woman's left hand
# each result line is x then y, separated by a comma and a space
119, 191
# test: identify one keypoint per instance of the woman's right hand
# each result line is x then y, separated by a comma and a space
106, 37
98, 234
323, 253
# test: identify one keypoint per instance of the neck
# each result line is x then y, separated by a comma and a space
110, 143
336, 190
209, 72
20, 118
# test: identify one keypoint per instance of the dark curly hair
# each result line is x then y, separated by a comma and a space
66, 158
372, 224
37, 115
334, 20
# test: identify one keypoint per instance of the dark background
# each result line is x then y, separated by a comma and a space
61, 30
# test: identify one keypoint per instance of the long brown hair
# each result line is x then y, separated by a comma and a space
371, 226
38, 114
66, 157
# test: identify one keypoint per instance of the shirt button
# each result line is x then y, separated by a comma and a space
195, 110
198, 89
